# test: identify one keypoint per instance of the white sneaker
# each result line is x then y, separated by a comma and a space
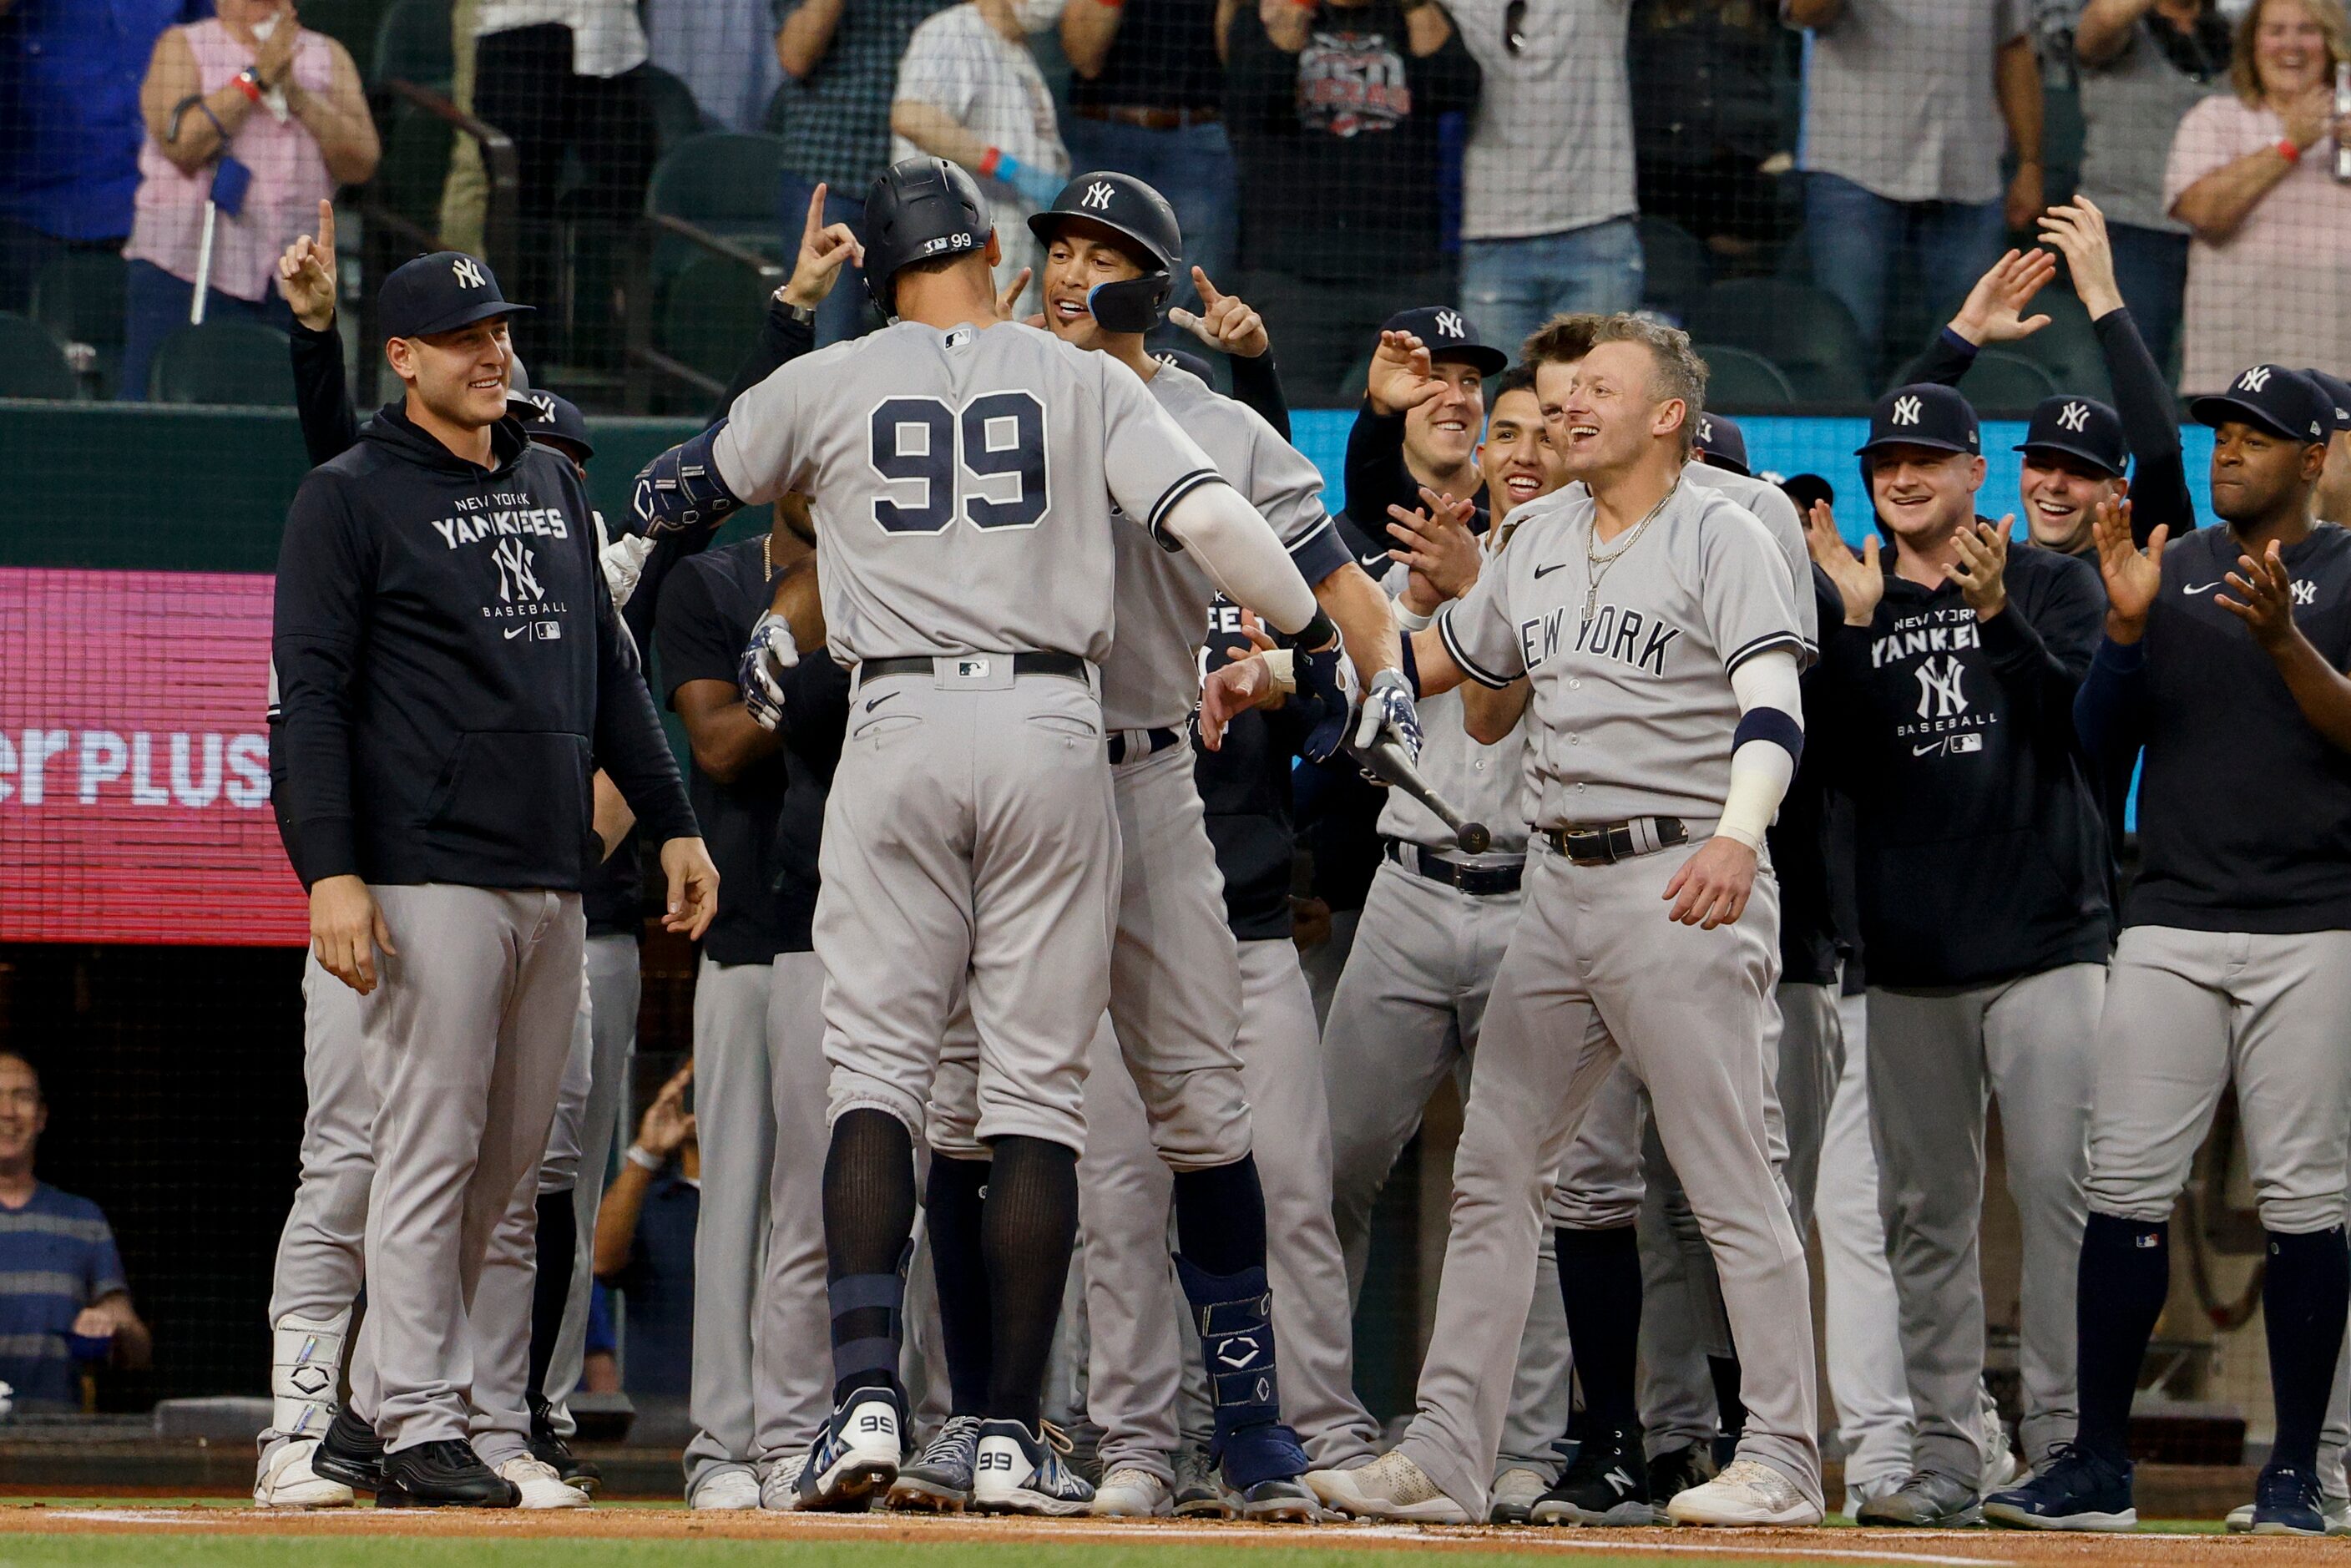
286, 1480
1514, 1493
779, 1489
730, 1490
2002, 1468
539, 1485
1390, 1487
1130, 1491
1748, 1492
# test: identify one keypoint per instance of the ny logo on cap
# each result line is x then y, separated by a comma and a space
1706, 427
2075, 417
545, 403
1098, 195
1449, 325
469, 272
1908, 410
2254, 380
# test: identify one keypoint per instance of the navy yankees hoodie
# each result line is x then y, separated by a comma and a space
450, 671
1979, 851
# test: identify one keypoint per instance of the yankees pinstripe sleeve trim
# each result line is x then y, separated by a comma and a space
1470, 666
1166, 503
1764, 644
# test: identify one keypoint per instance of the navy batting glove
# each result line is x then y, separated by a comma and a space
1322, 674
1389, 711
759, 673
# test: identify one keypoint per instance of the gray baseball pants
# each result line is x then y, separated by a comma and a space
791, 1381
615, 985
970, 833
1596, 973
1934, 1058
1406, 1011
465, 1040
1861, 1323
1137, 1350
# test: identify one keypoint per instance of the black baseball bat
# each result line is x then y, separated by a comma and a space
1387, 757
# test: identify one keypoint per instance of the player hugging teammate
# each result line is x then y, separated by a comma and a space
1009, 875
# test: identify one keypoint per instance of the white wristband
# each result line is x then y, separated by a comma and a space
1281, 663
643, 1159
1412, 620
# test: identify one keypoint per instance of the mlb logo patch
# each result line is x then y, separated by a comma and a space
1966, 743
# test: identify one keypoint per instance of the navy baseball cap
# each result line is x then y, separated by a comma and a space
547, 417
1923, 414
2339, 391
1721, 442
2285, 403
440, 293
1448, 335
1183, 360
2080, 427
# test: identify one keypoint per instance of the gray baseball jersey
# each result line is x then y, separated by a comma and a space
1151, 678
1782, 521
925, 452
1629, 644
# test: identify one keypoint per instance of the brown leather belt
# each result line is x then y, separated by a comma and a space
1150, 119
1606, 844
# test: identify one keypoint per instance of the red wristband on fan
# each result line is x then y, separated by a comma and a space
247, 86
991, 160
2288, 151
1111, 5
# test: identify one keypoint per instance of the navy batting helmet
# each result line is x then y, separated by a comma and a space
1134, 212
919, 209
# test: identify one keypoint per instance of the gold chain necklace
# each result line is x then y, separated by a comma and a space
1595, 565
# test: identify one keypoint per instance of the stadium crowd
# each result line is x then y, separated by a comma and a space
1326, 159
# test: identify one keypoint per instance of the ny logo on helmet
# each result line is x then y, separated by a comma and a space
1448, 325
1098, 195
545, 403
469, 272
1939, 696
2074, 416
2254, 380
515, 578
1908, 410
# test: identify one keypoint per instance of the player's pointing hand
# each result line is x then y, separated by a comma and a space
1226, 321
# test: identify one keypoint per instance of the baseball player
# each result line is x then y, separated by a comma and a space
463, 553
1655, 621
1111, 248
2221, 665
1945, 715
1435, 920
956, 467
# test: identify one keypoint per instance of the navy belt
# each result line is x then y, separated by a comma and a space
1606, 844
1068, 664
1477, 880
1134, 745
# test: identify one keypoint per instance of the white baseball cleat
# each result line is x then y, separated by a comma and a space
1390, 1487
729, 1490
539, 1485
1514, 1494
1016, 1470
286, 1480
779, 1489
1748, 1492
1130, 1491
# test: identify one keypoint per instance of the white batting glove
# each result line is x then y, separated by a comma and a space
760, 674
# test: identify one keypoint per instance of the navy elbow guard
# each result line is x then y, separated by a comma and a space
1775, 724
680, 490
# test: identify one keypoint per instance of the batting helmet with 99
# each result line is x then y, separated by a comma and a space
1137, 214
918, 209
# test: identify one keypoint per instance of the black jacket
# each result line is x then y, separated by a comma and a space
448, 663
1979, 847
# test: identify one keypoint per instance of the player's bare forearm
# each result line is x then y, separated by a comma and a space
1489, 714
796, 599
1438, 671
1354, 601
726, 739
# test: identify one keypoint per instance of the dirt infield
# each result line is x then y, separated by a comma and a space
672, 1525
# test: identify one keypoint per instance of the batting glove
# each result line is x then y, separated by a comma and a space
760, 672
1388, 706
1325, 678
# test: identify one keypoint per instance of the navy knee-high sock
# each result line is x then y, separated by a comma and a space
868, 1214
1027, 1226
550, 1291
1220, 1217
2303, 1298
1600, 1281
959, 1266
2126, 1275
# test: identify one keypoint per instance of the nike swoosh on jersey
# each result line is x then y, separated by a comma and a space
2192, 589
1545, 570
514, 631
1930, 746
